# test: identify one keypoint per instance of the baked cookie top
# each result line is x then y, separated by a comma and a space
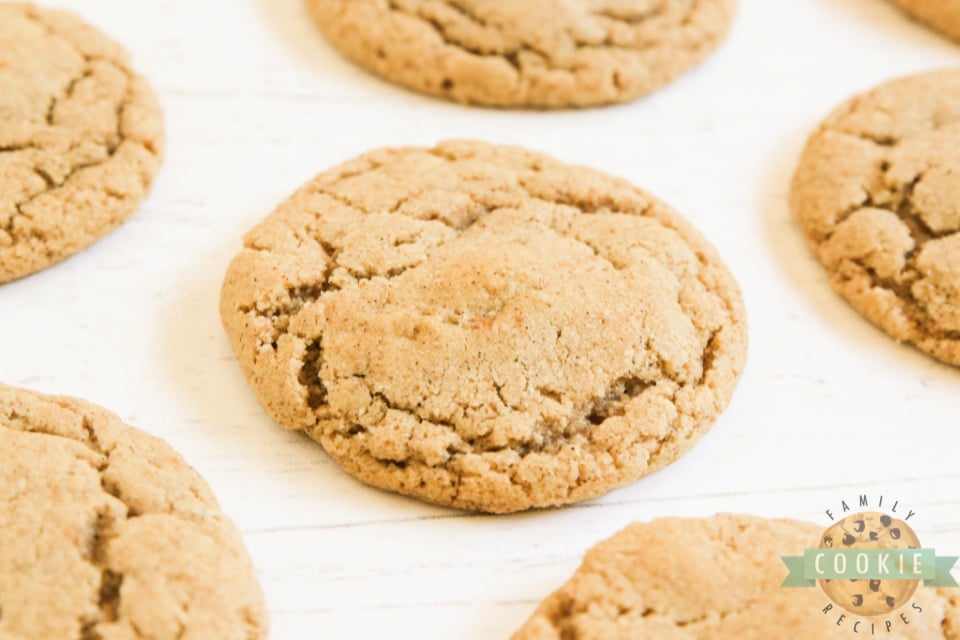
105, 532
485, 327
80, 137
710, 579
943, 15
878, 195
536, 53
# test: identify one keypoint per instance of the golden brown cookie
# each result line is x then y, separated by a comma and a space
485, 327
943, 15
717, 578
80, 137
536, 53
878, 195
870, 531
106, 533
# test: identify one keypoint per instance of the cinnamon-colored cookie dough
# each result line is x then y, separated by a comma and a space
106, 533
485, 327
535, 53
878, 194
80, 137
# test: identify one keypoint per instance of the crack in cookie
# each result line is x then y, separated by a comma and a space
544, 54
484, 326
876, 192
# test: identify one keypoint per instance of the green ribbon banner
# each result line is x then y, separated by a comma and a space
869, 564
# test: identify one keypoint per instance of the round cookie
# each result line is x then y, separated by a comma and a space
878, 197
943, 15
870, 531
485, 327
80, 137
716, 578
537, 53
105, 532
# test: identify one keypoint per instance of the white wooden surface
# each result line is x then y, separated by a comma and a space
256, 103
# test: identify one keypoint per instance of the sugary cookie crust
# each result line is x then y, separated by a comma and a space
106, 534
878, 195
943, 15
541, 53
485, 327
80, 137
711, 579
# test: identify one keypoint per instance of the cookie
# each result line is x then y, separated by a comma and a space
485, 327
870, 531
878, 196
712, 579
105, 532
943, 15
80, 137
542, 53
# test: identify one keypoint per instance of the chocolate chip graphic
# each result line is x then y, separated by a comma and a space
871, 595
885, 520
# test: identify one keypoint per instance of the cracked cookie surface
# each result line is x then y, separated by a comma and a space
878, 195
536, 53
943, 15
107, 534
80, 137
485, 327
710, 579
